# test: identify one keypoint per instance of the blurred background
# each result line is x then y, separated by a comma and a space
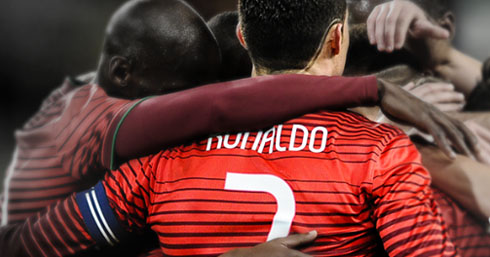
41, 42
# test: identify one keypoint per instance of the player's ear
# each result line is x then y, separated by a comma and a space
239, 35
120, 71
447, 22
336, 39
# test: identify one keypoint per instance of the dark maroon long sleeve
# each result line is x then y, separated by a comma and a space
68, 228
59, 231
247, 104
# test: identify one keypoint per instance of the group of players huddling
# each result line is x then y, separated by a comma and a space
137, 159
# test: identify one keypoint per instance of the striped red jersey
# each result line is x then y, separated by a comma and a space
469, 234
358, 183
58, 149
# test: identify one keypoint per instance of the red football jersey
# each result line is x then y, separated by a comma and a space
470, 235
358, 183
57, 148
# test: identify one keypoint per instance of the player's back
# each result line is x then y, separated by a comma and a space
334, 172
57, 148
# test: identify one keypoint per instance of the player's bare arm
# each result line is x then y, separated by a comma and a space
401, 23
261, 111
429, 119
464, 179
220, 108
390, 23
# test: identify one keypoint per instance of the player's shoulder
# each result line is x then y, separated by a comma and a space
52, 105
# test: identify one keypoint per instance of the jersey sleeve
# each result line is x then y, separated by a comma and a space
407, 218
117, 206
247, 104
103, 215
128, 193
59, 231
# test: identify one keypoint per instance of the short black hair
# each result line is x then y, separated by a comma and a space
286, 34
235, 62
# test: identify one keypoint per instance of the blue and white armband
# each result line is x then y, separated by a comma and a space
99, 217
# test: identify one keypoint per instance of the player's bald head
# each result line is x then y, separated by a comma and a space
156, 46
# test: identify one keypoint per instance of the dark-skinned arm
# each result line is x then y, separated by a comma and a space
248, 104
254, 103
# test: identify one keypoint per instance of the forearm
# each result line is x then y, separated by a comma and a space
463, 179
247, 104
57, 232
461, 70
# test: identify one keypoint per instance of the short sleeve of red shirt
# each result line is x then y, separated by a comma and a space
406, 216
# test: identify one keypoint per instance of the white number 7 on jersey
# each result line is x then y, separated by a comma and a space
286, 204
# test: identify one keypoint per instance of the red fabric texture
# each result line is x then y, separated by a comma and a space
366, 182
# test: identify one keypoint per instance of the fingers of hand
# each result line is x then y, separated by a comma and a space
459, 135
440, 139
269, 249
409, 86
380, 27
438, 92
444, 97
469, 134
295, 253
402, 28
425, 28
471, 139
433, 87
296, 240
451, 107
371, 24
446, 131
391, 23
